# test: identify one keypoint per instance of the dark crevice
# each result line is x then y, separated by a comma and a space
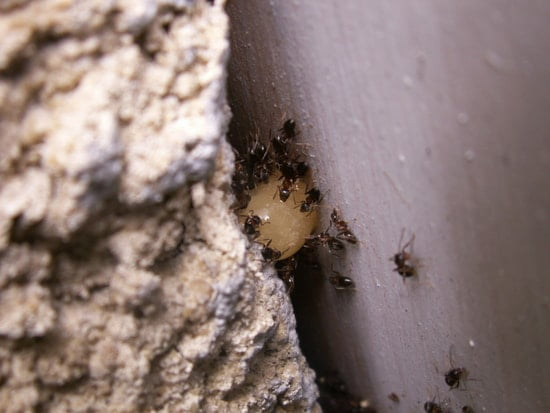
19, 65
310, 282
142, 41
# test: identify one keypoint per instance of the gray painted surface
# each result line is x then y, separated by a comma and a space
433, 116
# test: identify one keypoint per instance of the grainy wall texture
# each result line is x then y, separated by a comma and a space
125, 282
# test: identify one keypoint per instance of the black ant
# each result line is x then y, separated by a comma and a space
301, 168
240, 175
401, 257
339, 282
270, 254
467, 409
261, 173
287, 170
240, 184
280, 142
453, 377
286, 270
289, 128
326, 240
279, 145
255, 162
251, 224
455, 374
292, 169
313, 198
290, 174
284, 190
393, 397
242, 200
254, 167
258, 152
344, 233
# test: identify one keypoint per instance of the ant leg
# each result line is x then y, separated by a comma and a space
409, 242
311, 209
401, 238
265, 245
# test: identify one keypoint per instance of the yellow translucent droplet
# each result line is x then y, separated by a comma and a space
283, 223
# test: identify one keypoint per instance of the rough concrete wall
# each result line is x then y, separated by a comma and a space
125, 283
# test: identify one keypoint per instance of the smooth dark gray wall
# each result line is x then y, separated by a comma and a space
433, 116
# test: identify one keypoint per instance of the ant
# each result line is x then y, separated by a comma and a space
258, 152
285, 270
344, 233
251, 224
326, 240
284, 190
313, 198
289, 128
339, 282
287, 170
240, 176
400, 259
279, 145
467, 409
280, 142
455, 374
292, 169
256, 161
239, 184
270, 254
241, 201
288, 176
393, 397
453, 377
301, 168
261, 172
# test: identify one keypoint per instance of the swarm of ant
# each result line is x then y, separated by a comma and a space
255, 164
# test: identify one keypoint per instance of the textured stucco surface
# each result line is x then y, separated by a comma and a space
125, 282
